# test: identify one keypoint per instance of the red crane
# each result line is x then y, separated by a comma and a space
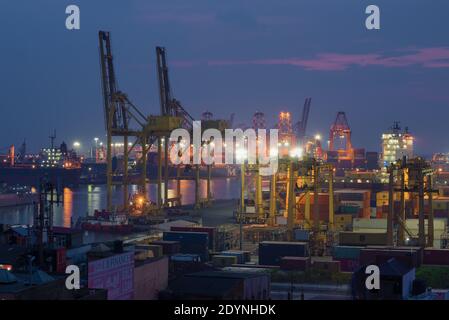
340, 129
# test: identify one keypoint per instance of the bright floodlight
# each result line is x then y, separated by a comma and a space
317, 137
76, 144
297, 152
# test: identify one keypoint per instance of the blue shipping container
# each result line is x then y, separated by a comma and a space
302, 235
190, 242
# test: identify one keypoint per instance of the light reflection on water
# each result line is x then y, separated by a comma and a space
83, 200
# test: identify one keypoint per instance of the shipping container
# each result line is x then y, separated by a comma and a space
295, 263
433, 256
168, 247
222, 261
326, 265
239, 255
191, 242
348, 265
361, 224
302, 235
346, 252
211, 231
351, 209
419, 250
185, 258
348, 238
271, 252
156, 249
408, 257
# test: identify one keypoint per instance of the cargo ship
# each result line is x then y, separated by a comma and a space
95, 173
107, 222
59, 166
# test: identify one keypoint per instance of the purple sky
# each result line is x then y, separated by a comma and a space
229, 56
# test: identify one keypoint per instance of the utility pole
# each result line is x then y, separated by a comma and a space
390, 206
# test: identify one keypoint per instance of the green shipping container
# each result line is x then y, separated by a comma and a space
346, 252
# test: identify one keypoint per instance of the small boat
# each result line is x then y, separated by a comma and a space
107, 222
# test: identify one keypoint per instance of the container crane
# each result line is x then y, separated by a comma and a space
340, 129
122, 119
301, 126
170, 108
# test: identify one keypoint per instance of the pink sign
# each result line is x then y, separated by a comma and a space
115, 273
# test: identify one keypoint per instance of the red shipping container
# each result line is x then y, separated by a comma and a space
61, 260
295, 263
436, 256
408, 257
348, 265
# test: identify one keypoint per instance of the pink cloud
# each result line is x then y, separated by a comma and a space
425, 57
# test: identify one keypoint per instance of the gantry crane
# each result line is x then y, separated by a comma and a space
124, 119
170, 108
340, 129
301, 126
414, 176
119, 112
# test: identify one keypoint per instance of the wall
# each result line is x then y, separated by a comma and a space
114, 273
150, 277
256, 287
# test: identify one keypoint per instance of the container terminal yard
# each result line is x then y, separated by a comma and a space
138, 226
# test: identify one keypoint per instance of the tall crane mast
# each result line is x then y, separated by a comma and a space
169, 105
301, 125
118, 112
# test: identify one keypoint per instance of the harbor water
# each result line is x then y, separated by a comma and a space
84, 199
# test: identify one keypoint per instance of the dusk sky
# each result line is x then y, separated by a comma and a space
233, 56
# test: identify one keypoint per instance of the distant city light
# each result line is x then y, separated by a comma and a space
76, 144
317, 137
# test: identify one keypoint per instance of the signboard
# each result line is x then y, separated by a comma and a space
115, 273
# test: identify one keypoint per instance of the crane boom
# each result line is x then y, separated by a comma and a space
169, 105
301, 125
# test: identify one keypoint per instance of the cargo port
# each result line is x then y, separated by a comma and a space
165, 207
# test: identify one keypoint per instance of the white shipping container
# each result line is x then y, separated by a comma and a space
281, 220
364, 223
250, 209
438, 224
